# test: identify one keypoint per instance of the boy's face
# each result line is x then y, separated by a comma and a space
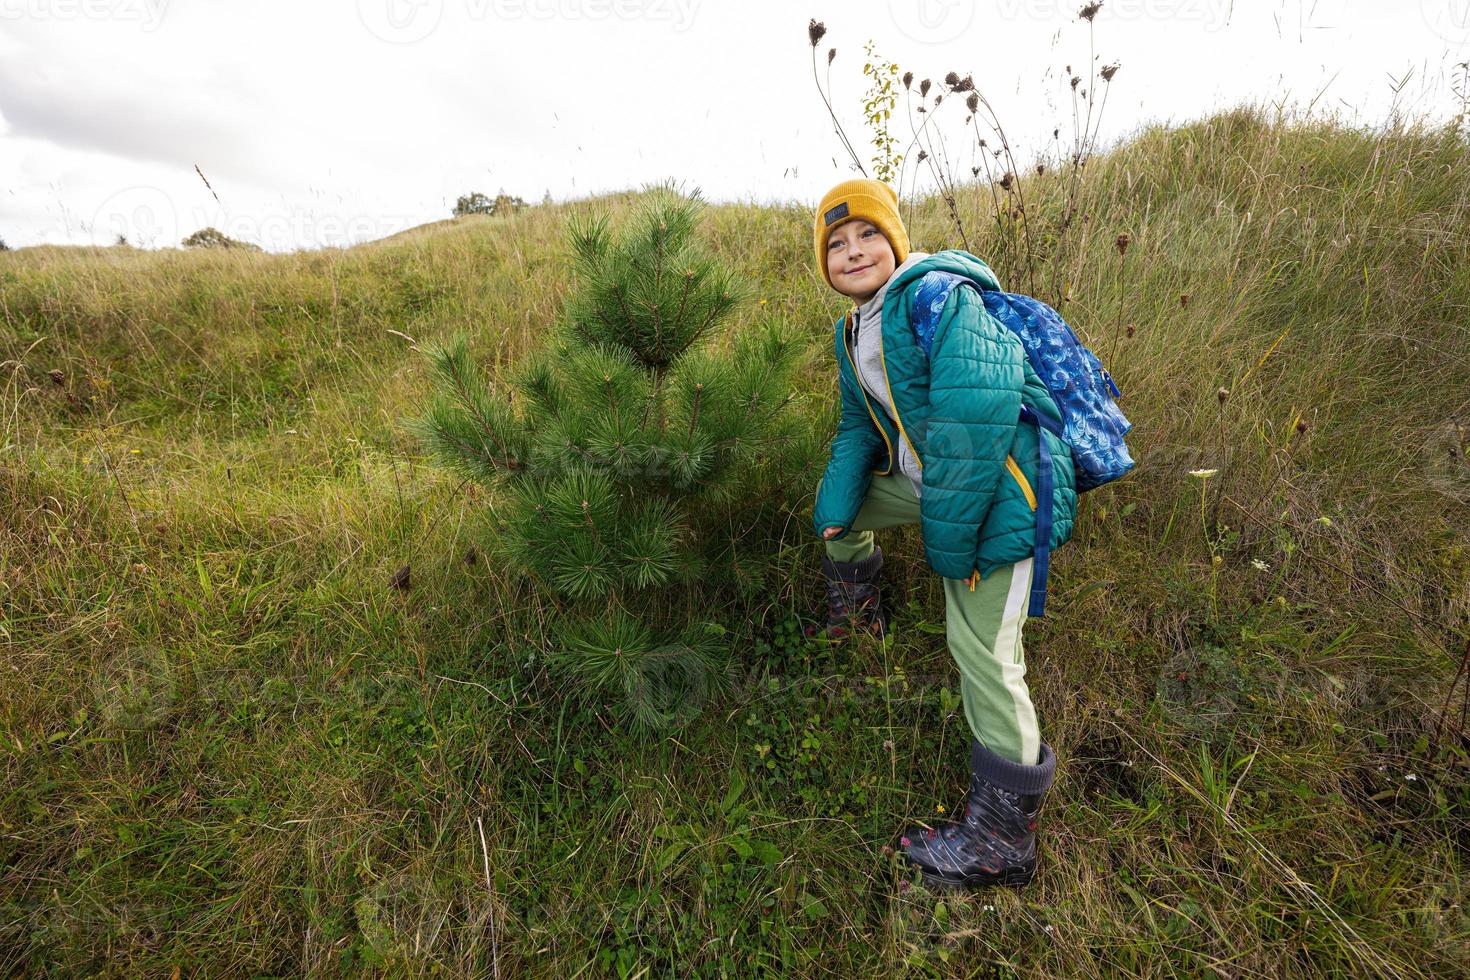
859, 259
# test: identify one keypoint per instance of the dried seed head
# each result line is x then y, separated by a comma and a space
972, 102
1184, 301
1129, 331
1005, 182
924, 87
1301, 425
1075, 80
974, 171
1040, 169
1090, 11
1054, 132
983, 144
923, 155
1122, 243
908, 79
1222, 394
1108, 71
831, 53
56, 376
952, 79
815, 31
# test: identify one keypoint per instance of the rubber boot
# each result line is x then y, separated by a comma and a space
994, 840
854, 599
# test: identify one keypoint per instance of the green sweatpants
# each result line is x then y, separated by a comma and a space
983, 627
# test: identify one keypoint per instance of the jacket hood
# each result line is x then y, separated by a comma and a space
954, 260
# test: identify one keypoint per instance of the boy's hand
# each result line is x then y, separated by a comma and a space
831, 533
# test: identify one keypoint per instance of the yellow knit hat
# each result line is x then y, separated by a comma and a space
871, 200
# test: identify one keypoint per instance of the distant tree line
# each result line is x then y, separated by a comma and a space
477, 203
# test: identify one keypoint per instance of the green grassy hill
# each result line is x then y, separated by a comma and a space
232, 747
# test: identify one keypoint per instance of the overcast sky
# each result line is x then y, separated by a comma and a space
336, 122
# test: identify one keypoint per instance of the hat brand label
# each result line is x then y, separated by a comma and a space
836, 213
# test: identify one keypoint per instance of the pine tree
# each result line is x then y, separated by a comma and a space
620, 453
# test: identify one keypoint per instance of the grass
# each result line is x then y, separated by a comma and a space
231, 747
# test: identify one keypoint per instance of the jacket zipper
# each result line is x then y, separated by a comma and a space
846, 349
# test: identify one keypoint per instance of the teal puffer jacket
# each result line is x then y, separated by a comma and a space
959, 410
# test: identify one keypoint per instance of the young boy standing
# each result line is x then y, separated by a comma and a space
929, 432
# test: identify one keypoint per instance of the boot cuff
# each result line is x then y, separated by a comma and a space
854, 571
1012, 776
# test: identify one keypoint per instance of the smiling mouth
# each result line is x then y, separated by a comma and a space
853, 272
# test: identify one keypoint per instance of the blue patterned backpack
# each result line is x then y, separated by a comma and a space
1092, 424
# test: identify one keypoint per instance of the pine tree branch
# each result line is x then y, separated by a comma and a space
453, 366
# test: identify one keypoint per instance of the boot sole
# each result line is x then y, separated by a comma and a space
1010, 877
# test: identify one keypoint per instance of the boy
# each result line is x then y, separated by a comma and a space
937, 398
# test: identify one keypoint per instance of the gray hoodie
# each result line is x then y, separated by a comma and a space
868, 344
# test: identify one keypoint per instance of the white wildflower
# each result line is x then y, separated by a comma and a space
1259, 565
1203, 474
